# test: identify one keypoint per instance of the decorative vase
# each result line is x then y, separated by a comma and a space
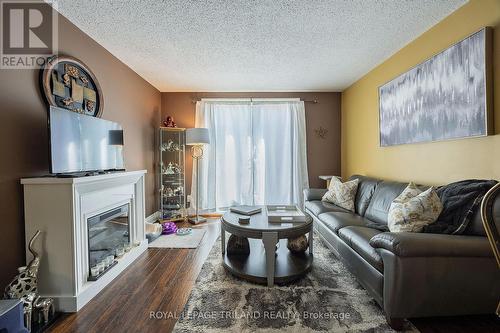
298, 244
169, 228
238, 245
25, 287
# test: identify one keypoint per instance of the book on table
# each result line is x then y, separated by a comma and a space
246, 210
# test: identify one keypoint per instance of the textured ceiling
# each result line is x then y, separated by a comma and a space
271, 45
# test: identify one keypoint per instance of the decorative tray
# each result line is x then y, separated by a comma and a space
285, 214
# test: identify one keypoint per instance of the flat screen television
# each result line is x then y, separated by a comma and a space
81, 143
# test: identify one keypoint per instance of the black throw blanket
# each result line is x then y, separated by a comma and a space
460, 201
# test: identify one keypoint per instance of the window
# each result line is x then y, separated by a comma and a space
257, 153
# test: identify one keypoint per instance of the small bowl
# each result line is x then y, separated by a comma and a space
184, 231
244, 220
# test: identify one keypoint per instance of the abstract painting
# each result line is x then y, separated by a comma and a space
442, 98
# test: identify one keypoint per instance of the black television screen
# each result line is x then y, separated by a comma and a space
81, 143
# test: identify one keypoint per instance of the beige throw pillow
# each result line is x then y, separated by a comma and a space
413, 209
342, 194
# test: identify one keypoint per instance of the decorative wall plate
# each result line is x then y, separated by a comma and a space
68, 83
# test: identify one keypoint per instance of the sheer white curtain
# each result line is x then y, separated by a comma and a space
257, 153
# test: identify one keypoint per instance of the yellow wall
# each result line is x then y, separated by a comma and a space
426, 163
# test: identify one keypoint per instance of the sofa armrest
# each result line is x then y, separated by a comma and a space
408, 244
314, 193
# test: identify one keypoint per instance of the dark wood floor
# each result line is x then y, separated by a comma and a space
162, 279
159, 280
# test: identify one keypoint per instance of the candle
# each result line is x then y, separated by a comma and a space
94, 271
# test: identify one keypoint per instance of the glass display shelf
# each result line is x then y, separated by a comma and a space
172, 147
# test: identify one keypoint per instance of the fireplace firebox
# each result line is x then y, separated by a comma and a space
108, 238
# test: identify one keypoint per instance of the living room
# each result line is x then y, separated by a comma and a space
268, 166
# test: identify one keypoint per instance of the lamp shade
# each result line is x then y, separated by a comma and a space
197, 136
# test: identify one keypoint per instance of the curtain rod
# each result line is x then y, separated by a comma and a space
314, 101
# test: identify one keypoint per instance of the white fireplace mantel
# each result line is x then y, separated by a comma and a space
59, 207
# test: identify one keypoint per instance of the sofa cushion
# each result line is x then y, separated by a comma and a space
385, 193
366, 188
358, 238
317, 207
337, 220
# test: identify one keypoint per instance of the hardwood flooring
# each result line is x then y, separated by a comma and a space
162, 279
159, 280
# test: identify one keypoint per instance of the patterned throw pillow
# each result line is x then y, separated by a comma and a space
342, 194
413, 209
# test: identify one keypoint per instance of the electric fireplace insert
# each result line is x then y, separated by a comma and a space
108, 239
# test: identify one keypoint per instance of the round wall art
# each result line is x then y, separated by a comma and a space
68, 83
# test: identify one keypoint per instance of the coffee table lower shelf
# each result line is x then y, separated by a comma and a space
252, 267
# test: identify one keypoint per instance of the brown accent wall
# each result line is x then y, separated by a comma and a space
129, 100
323, 155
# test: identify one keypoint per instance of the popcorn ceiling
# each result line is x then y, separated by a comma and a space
306, 45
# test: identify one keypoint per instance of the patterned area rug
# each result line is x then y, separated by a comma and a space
327, 299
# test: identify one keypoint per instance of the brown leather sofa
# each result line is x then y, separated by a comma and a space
410, 275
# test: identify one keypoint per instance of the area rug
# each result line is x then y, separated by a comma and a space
179, 242
327, 299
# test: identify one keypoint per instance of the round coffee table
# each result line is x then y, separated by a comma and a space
268, 263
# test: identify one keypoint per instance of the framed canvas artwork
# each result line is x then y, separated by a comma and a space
446, 97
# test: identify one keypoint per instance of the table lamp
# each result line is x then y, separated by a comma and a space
196, 138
